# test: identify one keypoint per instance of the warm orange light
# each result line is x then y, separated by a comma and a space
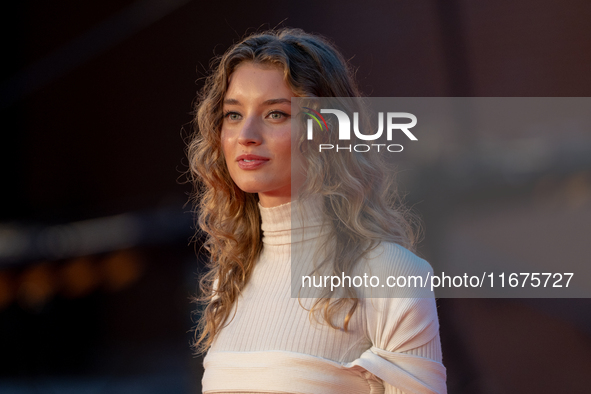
121, 269
79, 277
37, 286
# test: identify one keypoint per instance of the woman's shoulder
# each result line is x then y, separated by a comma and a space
389, 257
393, 271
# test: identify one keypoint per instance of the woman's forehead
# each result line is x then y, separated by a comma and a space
254, 81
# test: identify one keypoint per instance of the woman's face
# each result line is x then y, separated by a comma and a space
256, 133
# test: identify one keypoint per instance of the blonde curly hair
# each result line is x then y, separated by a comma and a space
359, 201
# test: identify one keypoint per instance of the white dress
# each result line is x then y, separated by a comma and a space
272, 346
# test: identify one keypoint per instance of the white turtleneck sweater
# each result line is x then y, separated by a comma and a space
271, 345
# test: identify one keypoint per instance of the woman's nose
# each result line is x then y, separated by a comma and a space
250, 134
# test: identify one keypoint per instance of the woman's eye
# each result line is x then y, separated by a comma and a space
232, 116
277, 115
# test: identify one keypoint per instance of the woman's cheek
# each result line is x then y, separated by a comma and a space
225, 143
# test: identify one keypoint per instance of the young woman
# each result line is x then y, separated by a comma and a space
249, 176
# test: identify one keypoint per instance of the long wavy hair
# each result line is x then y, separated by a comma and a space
359, 200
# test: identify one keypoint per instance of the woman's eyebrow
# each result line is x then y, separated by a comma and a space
277, 101
231, 101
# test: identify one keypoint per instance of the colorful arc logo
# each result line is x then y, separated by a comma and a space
315, 115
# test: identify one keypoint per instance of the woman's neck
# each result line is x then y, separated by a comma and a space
267, 201
301, 219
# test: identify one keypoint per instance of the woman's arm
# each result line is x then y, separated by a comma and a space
405, 336
430, 350
404, 328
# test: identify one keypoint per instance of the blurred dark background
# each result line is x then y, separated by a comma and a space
96, 269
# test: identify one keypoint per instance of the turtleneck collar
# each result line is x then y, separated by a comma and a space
295, 221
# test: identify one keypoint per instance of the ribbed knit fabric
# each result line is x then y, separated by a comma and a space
272, 346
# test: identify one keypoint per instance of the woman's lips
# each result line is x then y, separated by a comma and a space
251, 162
